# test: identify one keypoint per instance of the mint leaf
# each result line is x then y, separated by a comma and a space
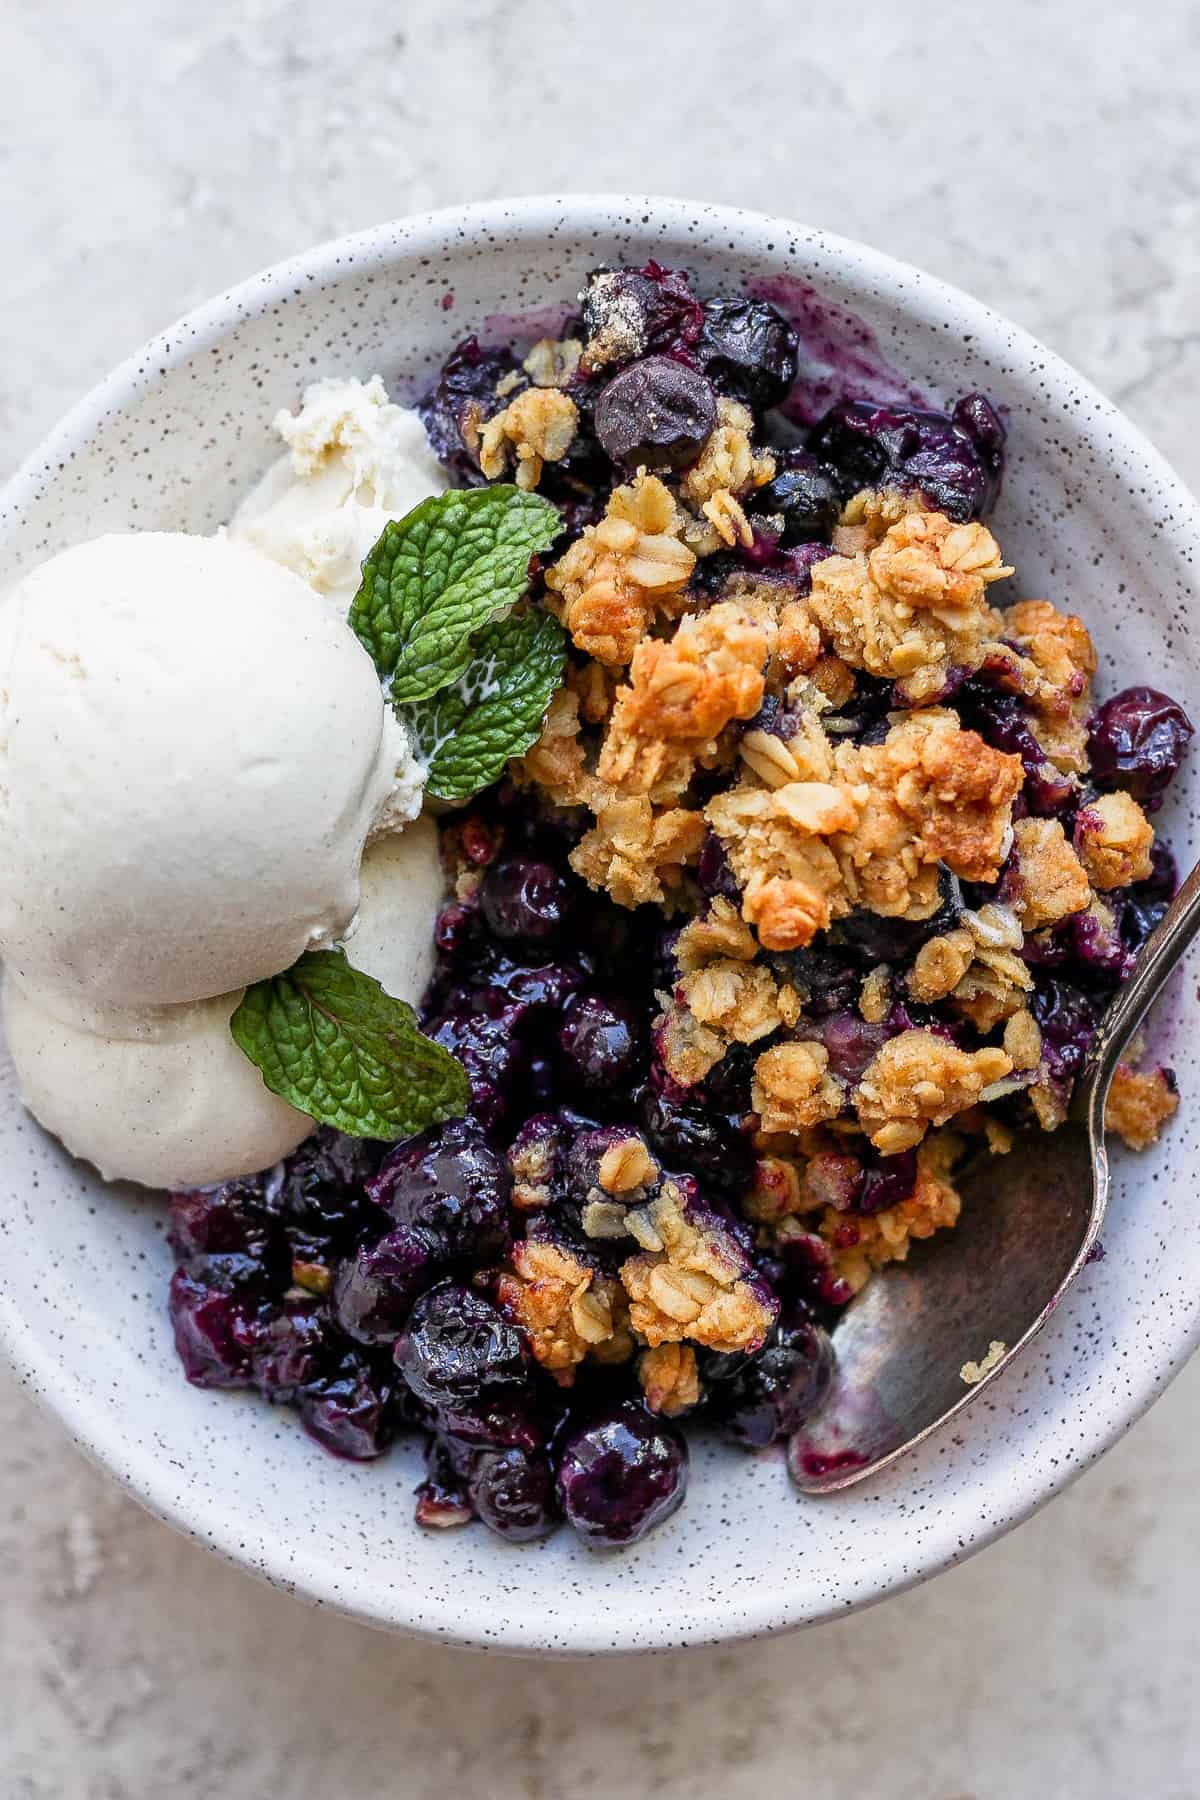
467, 733
440, 573
332, 1043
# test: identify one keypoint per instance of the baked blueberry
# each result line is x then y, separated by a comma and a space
374, 1290
602, 1046
772, 1394
1137, 741
351, 1410
525, 902
621, 1474
747, 350
458, 1348
688, 1137
628, 312
450, 1183
214, 1332
656, 414
512, 1491
957, 461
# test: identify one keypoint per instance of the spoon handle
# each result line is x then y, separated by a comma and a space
1163, 951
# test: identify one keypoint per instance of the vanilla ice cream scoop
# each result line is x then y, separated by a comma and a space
194, 749
354, 461
162, 1095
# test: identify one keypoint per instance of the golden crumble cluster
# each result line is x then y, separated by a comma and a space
718, 718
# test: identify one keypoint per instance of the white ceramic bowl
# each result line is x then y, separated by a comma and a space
1091, 517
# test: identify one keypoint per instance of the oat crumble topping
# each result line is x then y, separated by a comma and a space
913, 605
622, 573
670, 1379
1114, 839
816, 825
1139, 1104
568, 1310
973, 1372
919, 1079
536, 427
690, 1281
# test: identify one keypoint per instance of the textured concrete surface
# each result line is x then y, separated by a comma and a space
1043, 155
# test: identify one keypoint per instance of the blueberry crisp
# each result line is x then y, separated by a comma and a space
808, 875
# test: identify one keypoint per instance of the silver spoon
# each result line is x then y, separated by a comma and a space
1029, 1222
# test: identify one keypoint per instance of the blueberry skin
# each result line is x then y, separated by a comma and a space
323, 1191
1137, 741
214, 1332
657, 412
887, 1180
374, 1290
509, 1419
448, 1181
351, 1410
704, 1144
513, 1492
602, 1044
465, 391
228, 1240
655, 306
621, 1475
525, 902
293, 1346
1067, 1018
804, 495
748, 350
458, 1349
773, 1394
956, 460
490, 1048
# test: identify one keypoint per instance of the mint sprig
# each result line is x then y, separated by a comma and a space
467, 733
333, 1044
440, 573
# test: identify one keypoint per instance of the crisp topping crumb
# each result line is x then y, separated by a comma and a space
794, 1089
919, 1079
1047, 881
973, 1372
626, 1166
690, 1281
1023, 1041
940, 965
670, 1379
553, 361
728, 463
568, 1309
860, 1245
1139, 1104
682, 693
638, 853
620, 573
1054, 669
1114, 839
537, 426
875, 995
915, 604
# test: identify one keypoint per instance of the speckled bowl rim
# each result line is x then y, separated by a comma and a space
924, 298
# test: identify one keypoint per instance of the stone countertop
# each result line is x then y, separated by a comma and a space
1043, 156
